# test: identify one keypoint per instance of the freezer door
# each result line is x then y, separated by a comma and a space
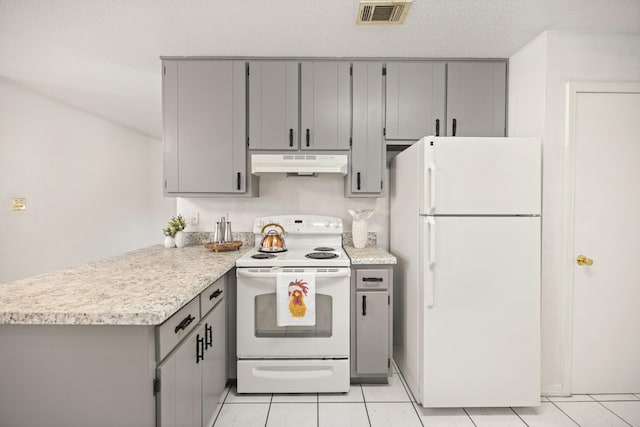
481, 325
480, 176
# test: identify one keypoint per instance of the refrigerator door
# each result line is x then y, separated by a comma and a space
480, 176
481, 324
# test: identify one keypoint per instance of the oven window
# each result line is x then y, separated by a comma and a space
265, 319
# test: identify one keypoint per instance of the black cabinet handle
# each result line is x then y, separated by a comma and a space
364, 305
208, 336
308, 137
290, 137
455, 125
437, 127
216, 294
358, 180
372, 279
239, 179
199, 348
185, 322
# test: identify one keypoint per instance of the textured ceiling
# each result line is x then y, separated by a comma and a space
102, 56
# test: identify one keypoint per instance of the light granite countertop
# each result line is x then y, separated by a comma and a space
370, 254
142, 287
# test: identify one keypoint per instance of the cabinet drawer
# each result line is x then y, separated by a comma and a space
372, 278
212, 295
175, 328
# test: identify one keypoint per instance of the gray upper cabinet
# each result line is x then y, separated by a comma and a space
273, 105
325, 105
204, 108
415, 99
476, 98
368, 142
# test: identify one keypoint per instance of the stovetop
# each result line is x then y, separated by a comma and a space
304, 235
295, 257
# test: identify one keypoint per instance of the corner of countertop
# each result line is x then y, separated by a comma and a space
370, 254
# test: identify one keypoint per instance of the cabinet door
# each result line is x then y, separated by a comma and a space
273, 105
372, 332
325, 105
476, 98
368, 141
204, 126
179, 402
214, 370
415, 100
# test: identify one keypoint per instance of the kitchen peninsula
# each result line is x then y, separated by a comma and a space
81, 346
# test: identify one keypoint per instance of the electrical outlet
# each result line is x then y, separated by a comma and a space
19, 204
195, 218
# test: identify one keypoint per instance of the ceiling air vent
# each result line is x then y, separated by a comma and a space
382, 12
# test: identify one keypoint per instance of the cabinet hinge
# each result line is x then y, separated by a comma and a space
350, 141
384, 71
247, 70
351, 70
381, 183
388, 363
388, 299
384, 131
156, 386
247, 141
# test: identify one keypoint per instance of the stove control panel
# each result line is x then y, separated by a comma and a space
301, 224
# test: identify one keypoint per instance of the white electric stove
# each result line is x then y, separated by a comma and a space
294, 359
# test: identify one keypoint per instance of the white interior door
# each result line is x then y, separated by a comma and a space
606, 294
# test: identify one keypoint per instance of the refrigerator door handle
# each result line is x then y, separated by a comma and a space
432, 188
428, 282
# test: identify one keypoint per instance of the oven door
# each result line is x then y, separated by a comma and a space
258, 336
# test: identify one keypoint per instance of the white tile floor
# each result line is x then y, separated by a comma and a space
393, 406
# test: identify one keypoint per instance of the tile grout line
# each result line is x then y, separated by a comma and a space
567, 415
605, 407
268, 411
518, 415
366, 408
221, 406
469, 416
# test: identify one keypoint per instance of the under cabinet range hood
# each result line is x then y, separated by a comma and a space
299, 164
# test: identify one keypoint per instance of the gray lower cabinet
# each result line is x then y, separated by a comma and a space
204, 119
371, 340
190, 380
367, 151
415, 99
179, 402
214, 369
476, 98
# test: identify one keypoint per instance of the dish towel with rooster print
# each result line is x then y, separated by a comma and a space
296, 298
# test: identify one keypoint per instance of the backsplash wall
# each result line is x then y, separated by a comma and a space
321, 195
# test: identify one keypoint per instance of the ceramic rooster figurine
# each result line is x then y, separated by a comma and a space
297, 291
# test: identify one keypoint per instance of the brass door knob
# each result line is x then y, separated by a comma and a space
583, 260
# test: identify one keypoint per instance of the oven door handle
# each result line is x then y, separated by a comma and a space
343, 272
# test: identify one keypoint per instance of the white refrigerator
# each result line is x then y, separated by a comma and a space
465, 227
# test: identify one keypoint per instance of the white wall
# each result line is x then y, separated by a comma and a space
93, 189
537, 100
322, 195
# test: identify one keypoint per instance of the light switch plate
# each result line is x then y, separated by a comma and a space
19, 204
